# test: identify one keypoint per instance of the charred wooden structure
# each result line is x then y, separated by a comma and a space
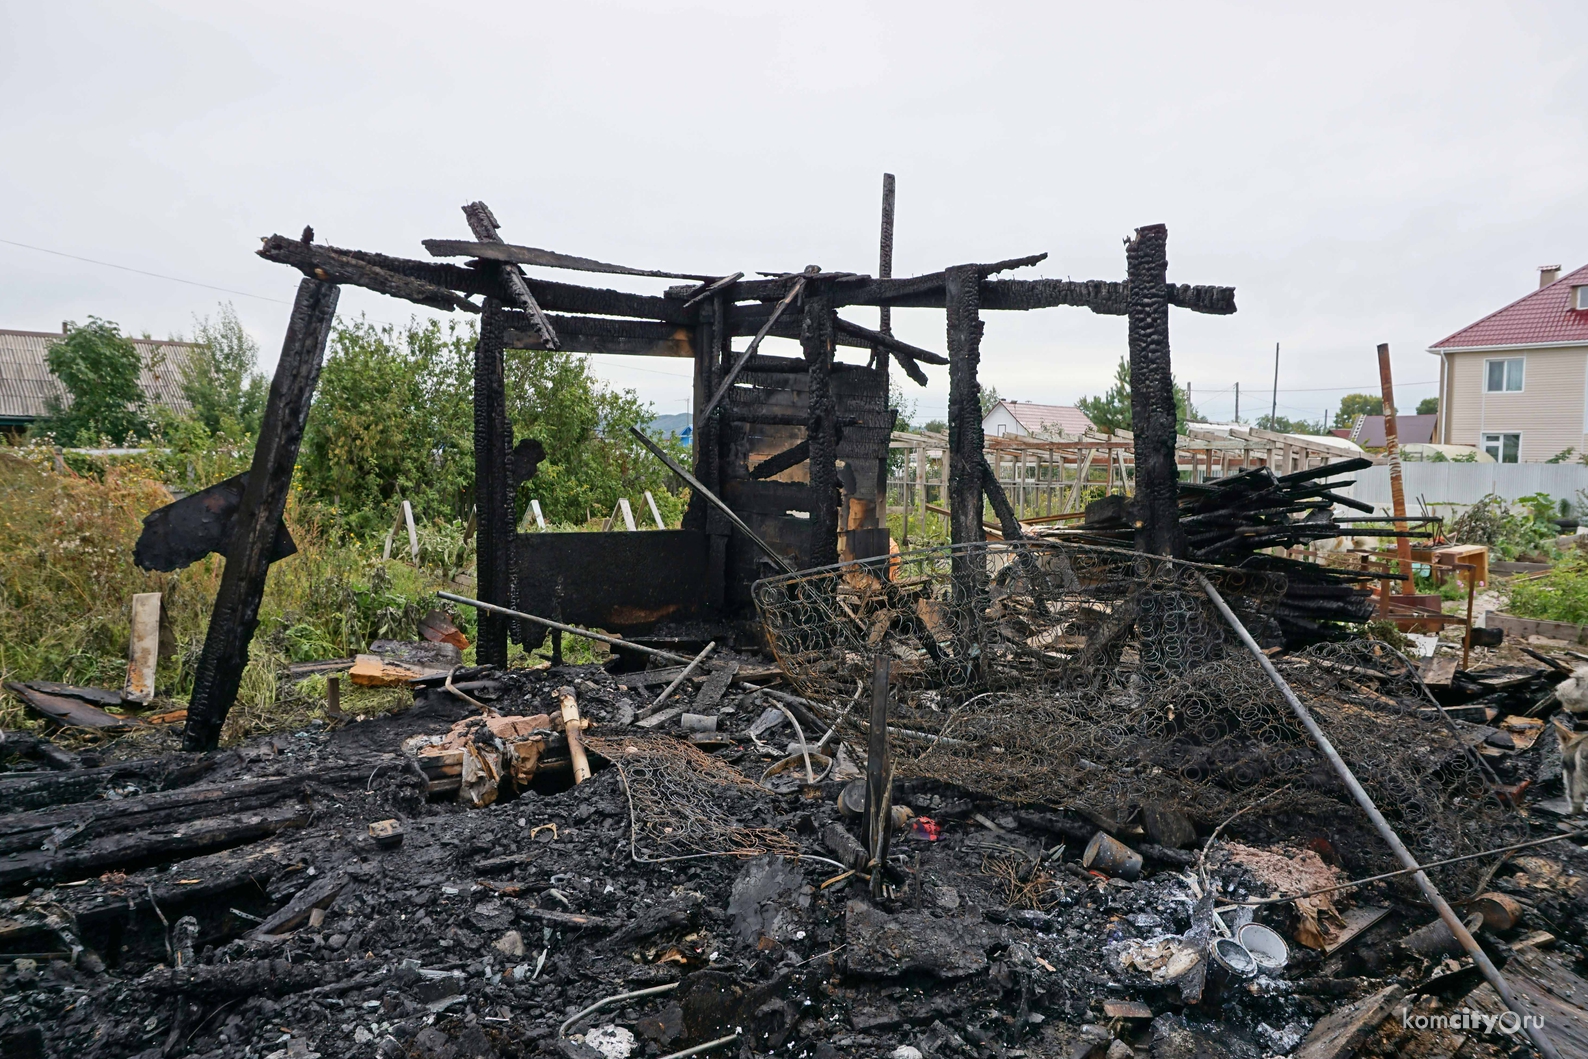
796, 447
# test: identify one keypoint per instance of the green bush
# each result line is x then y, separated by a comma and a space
1559, 595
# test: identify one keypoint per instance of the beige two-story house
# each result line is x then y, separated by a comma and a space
1515, 383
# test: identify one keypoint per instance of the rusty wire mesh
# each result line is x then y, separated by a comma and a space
1105, 681
682, 800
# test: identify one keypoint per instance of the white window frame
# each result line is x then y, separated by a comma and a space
1499, 437
1505, 374
1579, 296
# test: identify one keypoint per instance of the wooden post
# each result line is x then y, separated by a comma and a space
1152, 405
493, 500
1392, 451
655, 512
573, 728
965, 437
143, 655
236, 611
821, 425
413, 532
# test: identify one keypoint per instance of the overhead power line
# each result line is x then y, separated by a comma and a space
145, 272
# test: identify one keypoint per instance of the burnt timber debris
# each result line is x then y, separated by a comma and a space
1044, 794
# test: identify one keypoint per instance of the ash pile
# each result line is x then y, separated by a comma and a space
1087, 826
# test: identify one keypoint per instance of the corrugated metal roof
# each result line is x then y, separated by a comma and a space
1543, 317
26, 384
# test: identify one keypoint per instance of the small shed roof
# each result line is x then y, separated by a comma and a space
26, 384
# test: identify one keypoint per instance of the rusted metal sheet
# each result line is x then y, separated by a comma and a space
185, 531
68, 710
621, 582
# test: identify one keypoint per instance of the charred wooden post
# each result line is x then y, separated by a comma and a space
712, 338
965, 439
879, 355
493, 499
1152, 405
254, 527
821, 426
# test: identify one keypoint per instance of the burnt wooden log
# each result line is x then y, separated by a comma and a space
528, 255
484, 225
965, 438
493, 500
1007, 520
20, 794
253, 531
244, 978
37, 748
821, 428
593, 334
1152, 404
331, 266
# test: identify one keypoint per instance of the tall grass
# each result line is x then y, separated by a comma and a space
67, 579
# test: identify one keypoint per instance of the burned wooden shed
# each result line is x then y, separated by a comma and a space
790, 453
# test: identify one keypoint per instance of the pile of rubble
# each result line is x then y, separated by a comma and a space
519, 865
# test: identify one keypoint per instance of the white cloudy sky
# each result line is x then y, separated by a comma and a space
1361, 173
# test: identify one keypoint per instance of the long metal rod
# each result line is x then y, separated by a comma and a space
1431, 892
695, 484
755, 344
560, 627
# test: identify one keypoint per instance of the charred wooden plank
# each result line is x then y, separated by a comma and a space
493, 502
821, 426
253, 538
529, 255
186, 530
590, 334
484, 225
19, 794
1152, 398
329, 266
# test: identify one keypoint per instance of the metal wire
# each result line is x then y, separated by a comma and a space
1104, 680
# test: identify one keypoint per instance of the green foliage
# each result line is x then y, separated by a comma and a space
935, 426
1563, 456
1428, 406
989, 399
1509, 534
1111, 411
1284, 425
392, 420
99, 367
1559, 595
1357, 404
221, 379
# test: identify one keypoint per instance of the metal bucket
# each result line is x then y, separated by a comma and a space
1265, 945
1112, 857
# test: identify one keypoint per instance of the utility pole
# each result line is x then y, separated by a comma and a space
1237, 402
1273, 408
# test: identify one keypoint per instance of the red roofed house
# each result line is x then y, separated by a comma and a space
1515, 384
1023, 417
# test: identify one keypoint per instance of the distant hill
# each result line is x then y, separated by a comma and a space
670, 424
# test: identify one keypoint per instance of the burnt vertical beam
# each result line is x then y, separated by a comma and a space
255, 525
1152, 404
821, 425
712, 336
879, 356
965, 439
493, 499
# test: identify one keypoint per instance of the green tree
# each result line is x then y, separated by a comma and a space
393, 420
1284, 425
99, 367
1111, 411
1357, 404
989, 399
221, 380
1428, 406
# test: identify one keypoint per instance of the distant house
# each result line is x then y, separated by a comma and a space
1023, 417
1515, 383
26, 384
1368, 431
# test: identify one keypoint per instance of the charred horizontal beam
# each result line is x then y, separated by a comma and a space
594, 334
329, 266
863, 290
529, 255
1108, 298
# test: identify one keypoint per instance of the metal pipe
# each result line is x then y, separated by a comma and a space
697, 1049
608, 1001
559, 626
1430, 892
695, 484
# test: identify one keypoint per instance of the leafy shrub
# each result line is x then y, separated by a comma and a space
1559, 595
1507, 533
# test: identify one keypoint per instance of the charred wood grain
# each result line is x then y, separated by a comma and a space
493, 500
821, 428
20, 794
244, 978
1007, 521
593, 334
1156, 509
529, 255
253, 530
965, 437
483, 223
329, 266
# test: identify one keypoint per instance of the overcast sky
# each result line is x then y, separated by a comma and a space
1360, 173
